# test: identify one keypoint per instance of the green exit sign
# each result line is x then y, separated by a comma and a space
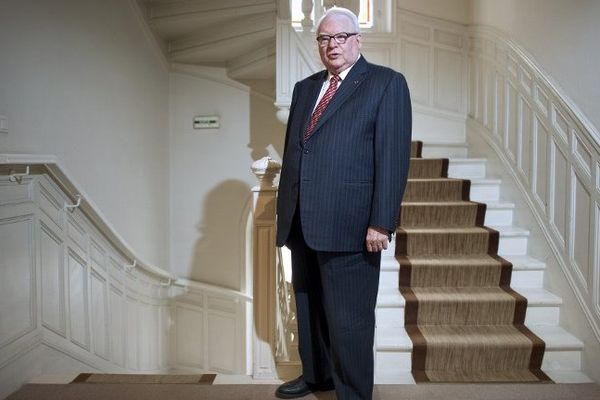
206, 122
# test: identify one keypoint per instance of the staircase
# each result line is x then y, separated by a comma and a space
238, 35
562, 358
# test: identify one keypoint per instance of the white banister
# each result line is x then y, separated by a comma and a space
550, 150
307, 8
50, 165
265, 263
74, 288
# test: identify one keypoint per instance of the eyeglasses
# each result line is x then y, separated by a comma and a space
340, 38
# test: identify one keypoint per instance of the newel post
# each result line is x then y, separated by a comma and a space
264, 262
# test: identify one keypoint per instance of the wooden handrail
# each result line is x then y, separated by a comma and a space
50, 166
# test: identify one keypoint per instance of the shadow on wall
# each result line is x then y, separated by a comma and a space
267, 133
218, 254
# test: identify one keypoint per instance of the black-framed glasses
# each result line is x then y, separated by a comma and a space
340, 38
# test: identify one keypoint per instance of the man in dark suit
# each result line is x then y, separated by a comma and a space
345, 167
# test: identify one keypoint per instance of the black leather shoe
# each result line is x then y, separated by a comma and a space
299, 387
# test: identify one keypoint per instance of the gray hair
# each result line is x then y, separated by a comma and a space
340, 11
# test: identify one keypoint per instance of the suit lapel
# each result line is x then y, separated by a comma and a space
313, 91
352, 81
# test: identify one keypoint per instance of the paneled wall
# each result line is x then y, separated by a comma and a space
70, 302
430, 52
550, 150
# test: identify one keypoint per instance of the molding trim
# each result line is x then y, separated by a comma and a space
547, 231
193, 287
549, 148
49, 164
568, 105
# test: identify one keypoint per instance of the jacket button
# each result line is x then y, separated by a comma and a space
306, 151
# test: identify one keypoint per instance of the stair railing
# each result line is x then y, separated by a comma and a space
551, 150
265, 264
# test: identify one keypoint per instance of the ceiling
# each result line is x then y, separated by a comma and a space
238, 35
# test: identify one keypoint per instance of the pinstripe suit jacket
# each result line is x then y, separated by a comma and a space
352, 171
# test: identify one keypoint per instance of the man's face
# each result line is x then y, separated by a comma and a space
334, 56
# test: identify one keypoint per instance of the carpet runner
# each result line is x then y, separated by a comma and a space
202, 379
465, 322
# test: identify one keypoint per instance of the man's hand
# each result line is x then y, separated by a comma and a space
377, 239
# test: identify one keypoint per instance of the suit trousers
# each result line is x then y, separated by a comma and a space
336, 294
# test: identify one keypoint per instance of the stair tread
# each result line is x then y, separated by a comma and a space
390, 297
470, 160
393, 338
539, 297
520, 263
439, 203
458, 293
556, 337
482, 181
464, 229
449, 144
536, 297
525, 263
498, 204
567, 376
426, 180
509, 230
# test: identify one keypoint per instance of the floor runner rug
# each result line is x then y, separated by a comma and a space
204, 379
490, 391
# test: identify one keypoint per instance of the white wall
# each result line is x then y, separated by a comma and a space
210, 172
452, 10
79, 79
562, 35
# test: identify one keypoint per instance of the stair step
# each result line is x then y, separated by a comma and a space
556, 338
425, 168
445, 149
558, 376
543, 307
527, 272
467, 168
463, 306
513, 240
441, 214
563, 352
499, 213
440, 189
442, 241
485, 190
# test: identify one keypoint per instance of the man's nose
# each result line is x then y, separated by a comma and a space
332, 43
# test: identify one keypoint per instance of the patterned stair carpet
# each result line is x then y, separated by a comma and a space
202, 379
465, 322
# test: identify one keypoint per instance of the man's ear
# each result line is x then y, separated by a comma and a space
359, 40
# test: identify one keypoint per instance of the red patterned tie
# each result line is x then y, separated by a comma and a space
333, 85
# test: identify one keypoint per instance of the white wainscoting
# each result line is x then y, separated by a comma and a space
550, 148
430, 52
70, 302
209, 330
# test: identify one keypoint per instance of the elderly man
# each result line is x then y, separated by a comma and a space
345, 166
